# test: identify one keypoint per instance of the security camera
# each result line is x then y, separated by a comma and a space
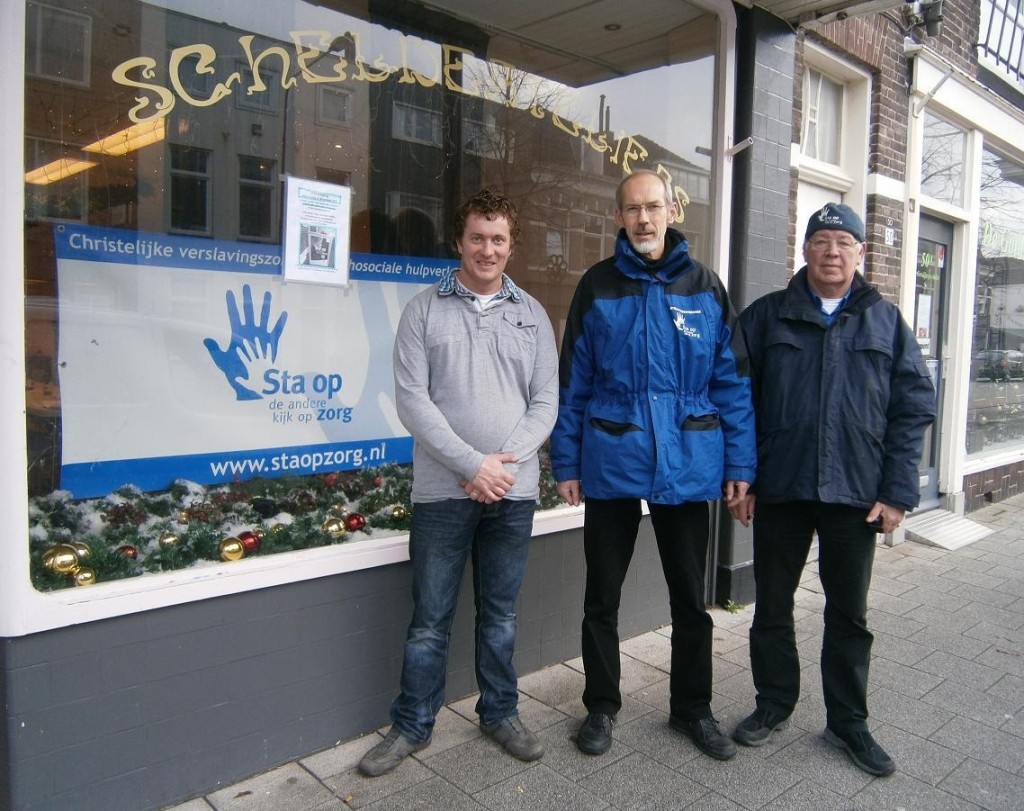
931, 16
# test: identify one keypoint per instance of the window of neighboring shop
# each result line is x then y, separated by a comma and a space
831, 162
823, 117
942, 160
187, 407
995, 415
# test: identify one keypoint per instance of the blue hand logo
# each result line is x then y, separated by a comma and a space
252, 344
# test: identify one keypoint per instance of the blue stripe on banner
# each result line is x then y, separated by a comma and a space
91, 479
376, 267
164, 250
124, 247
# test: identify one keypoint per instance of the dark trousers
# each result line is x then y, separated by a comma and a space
846, 552
609, 536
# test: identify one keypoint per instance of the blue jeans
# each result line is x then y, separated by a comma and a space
442, 536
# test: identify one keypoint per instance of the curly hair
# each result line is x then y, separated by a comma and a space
487, 204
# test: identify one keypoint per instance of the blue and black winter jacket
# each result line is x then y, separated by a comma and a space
654, 394
842, 407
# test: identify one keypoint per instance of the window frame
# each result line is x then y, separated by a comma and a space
818, 180
24, 610
398, 131
32, 147
321, 112
848, 176
172, 173
270, 185
86, 22
816, 119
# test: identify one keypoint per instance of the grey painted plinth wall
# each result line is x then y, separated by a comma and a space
760, 223
151, 709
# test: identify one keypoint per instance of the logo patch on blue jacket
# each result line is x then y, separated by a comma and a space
679, 320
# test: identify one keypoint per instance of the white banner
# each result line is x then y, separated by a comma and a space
191, 358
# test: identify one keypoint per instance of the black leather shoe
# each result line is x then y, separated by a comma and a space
595, 736
706, 736
863, 750
757, 728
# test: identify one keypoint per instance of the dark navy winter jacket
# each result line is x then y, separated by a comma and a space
654, 396
841, 409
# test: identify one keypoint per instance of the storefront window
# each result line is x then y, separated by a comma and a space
190, 403
942, 160
995, 417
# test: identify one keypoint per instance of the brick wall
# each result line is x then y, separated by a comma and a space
989, 486
882, 263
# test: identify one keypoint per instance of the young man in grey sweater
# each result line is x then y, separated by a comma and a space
476, 384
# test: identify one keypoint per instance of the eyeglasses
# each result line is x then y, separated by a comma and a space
842, 245
652, 210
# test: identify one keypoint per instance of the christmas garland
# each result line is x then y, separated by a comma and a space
129, 533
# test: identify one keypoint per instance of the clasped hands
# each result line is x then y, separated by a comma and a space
492, 481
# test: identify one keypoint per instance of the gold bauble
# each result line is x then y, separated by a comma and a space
167, 540
334, 526
231, 549
62, 559
399, 513
81, 549
85, 577
279, 527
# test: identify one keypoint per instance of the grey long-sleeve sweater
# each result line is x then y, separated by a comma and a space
469, 383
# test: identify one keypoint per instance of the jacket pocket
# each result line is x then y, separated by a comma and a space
702, 422
871, 342
613, 428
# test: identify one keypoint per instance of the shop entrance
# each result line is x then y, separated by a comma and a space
934, 250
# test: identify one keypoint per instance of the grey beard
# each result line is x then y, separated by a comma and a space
646, 247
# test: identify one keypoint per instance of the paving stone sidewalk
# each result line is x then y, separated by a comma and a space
947, 701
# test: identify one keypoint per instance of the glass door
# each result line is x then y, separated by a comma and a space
934, 246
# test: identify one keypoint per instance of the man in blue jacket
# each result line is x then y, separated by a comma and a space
843, 399
654, 404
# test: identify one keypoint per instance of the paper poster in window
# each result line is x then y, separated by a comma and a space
316, 238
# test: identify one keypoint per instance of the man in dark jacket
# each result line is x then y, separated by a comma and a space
654, 405
843, 399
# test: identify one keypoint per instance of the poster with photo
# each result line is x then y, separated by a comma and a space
316, 237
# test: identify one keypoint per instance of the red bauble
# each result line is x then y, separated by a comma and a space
378, 481
128, 551
250, 541
331, 479
354, 522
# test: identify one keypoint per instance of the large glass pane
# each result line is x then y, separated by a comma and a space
823, 117
942, 160
995, 417
183, 396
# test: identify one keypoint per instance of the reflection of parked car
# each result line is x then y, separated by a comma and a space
998, 364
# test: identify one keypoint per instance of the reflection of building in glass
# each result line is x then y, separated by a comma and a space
995, 416
170, 123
